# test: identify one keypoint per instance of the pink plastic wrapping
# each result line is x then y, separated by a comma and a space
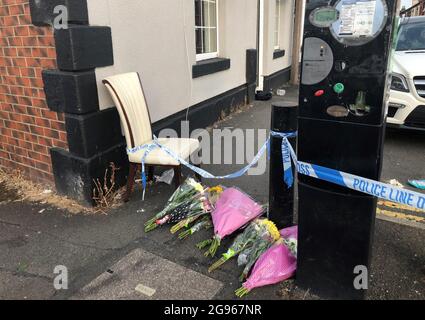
291, 232
233, 210
275, 265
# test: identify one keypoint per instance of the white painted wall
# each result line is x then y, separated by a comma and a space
157, 39
286, 36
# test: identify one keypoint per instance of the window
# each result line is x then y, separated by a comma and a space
206, 29
276, 38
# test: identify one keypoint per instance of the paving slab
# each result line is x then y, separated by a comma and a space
145, 276
15, 286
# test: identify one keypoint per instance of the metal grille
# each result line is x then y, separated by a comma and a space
392, 111
420, 85
416, 118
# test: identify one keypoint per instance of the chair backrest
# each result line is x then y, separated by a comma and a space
127, 93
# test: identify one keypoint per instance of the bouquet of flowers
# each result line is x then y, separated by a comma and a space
250, 255
205, 223
261, 244
276, 264
184, 194
234, 209
187, 212
259, 230
197, 209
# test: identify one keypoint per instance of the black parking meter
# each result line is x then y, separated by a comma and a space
344, 84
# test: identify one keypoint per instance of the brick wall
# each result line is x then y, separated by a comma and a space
28, 128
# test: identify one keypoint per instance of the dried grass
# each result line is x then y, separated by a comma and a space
105, 194
26, 190
21, 189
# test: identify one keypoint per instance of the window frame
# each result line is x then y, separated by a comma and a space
215, 54
277, 25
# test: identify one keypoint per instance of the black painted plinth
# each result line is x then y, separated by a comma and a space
71, 92
83, 47
74, 175
93, 133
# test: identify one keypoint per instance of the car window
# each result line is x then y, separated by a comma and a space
411, 37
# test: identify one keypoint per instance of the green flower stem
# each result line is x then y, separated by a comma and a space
241, 292
183, 235
217, 264
151, 227
184, 223
227, 256
203, 244
214, 246
205, 223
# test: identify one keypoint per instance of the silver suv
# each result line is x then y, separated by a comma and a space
407, 96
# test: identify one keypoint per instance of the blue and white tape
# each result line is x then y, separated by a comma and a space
203, 173
364, 185
287, 154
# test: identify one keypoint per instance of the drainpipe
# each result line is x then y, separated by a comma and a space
297, 40
260, 46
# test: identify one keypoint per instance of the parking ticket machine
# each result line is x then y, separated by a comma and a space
345, 81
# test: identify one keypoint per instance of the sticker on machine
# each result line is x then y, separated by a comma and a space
357, 18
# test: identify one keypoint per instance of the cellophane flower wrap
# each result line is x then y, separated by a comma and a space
205, 223
262, 243
197, 210
185, 194
234, 209
257, 229
290, 238
275, 265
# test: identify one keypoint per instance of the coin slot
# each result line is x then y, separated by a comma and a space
337, 111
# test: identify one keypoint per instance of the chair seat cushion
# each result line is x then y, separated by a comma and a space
181, 147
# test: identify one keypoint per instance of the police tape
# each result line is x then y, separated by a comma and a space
147, 148
364, 185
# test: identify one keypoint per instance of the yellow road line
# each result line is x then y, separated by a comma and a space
400, 215
399, 206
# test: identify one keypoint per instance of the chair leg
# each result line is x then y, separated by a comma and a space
151, 172
197, 175
177, 175
130, 181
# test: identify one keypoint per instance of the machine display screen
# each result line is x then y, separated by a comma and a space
323, 17
326, 15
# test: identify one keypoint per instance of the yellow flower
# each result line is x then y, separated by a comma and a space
216, 189
271, 228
